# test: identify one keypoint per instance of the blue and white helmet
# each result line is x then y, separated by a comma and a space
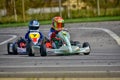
34, 25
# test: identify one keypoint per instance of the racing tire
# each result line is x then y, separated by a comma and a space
72, 42
77, 43
43, 50
29, 49
8, 47
86, 44
15, 49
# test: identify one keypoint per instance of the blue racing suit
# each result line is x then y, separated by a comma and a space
27, 35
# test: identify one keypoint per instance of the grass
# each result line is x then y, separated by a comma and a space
76, 20
93, 19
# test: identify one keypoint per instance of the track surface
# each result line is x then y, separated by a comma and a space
103, 61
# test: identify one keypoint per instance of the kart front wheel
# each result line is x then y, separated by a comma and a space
9, 46
43, 50
15, 49
29, 49
86, 44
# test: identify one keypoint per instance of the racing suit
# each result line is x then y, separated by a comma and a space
27, 36
52, 34
53, 37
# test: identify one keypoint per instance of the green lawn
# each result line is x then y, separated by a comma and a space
77, 20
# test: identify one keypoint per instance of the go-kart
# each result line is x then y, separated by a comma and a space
66, 46
17, 47
35, 45
32, 47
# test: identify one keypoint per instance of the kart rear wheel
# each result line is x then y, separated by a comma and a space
15, 49
86, 44
29, 49
8, 48
43, 50
72, 42
75, 43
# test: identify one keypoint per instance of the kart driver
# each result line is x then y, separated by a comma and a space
33, 27
57, 25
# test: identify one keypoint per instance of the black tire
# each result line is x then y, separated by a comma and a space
86, 44
75, 43
43, 50
15, 49
29, 49
8, 48
72, 42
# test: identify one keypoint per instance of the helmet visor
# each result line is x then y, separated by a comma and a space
33, 28
59, 26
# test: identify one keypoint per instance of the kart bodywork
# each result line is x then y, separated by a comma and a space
34, 46
38, 47
17, 47
67, 46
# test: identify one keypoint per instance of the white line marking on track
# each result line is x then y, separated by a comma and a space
57, 72
13, 37
111, 33
58, 66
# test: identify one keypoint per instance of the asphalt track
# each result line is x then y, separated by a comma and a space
103, 61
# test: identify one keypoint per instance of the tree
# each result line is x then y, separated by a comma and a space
2, 2
9, 7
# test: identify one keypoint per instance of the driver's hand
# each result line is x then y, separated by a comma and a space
57, 38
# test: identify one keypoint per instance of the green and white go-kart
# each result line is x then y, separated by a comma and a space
66, 46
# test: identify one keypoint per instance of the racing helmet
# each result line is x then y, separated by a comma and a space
58, 23
34, 25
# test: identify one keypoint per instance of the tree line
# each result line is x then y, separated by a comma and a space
97, 7
10, 4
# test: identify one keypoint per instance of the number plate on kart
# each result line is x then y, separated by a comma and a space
34, 36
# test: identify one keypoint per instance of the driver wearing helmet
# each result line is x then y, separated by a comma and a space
57, 25
33, 27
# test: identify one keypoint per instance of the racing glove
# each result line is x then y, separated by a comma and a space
53, 36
